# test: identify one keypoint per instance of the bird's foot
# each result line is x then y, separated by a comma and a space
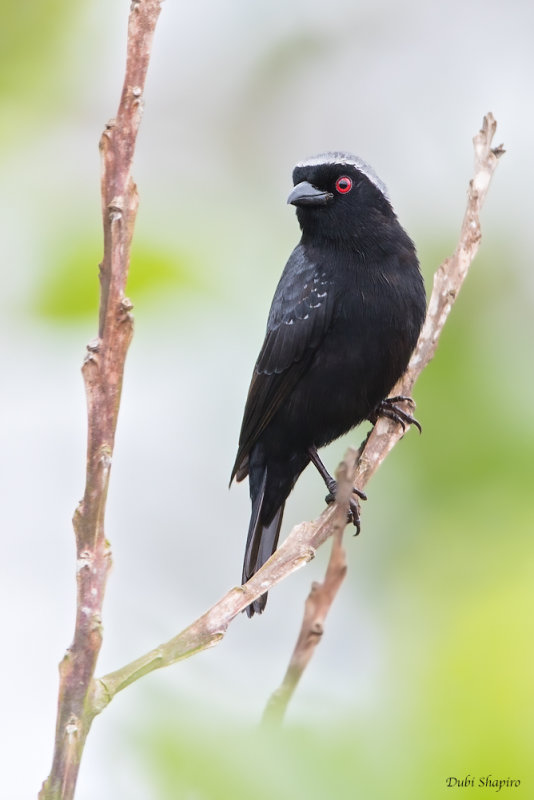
331, 484
389, 408
354, 504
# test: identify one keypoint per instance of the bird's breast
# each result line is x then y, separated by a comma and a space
360, 358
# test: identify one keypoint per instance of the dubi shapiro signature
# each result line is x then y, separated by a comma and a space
482, 782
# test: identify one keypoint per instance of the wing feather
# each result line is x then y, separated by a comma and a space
300, 315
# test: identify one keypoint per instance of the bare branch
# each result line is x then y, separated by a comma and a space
448, 281
102, 372
318, 602
317, 606
302, 542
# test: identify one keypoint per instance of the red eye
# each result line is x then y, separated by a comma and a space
344, 184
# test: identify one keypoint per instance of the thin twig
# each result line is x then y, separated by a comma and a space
304, 539
447, 283
102, 373
317, 606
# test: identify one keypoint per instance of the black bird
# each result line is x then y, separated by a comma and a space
344, 320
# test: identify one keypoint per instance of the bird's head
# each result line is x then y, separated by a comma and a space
338, 196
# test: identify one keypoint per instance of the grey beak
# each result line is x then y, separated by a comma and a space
305, 194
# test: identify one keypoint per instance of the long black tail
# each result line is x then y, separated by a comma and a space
262, 541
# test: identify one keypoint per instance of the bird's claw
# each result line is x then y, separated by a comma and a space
353, 514
389, 408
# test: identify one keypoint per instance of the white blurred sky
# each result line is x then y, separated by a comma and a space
237, 92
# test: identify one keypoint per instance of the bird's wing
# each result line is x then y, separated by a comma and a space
300, 315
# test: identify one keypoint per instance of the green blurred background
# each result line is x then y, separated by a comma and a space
425, 670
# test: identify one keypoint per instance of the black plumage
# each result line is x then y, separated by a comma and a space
344, 320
